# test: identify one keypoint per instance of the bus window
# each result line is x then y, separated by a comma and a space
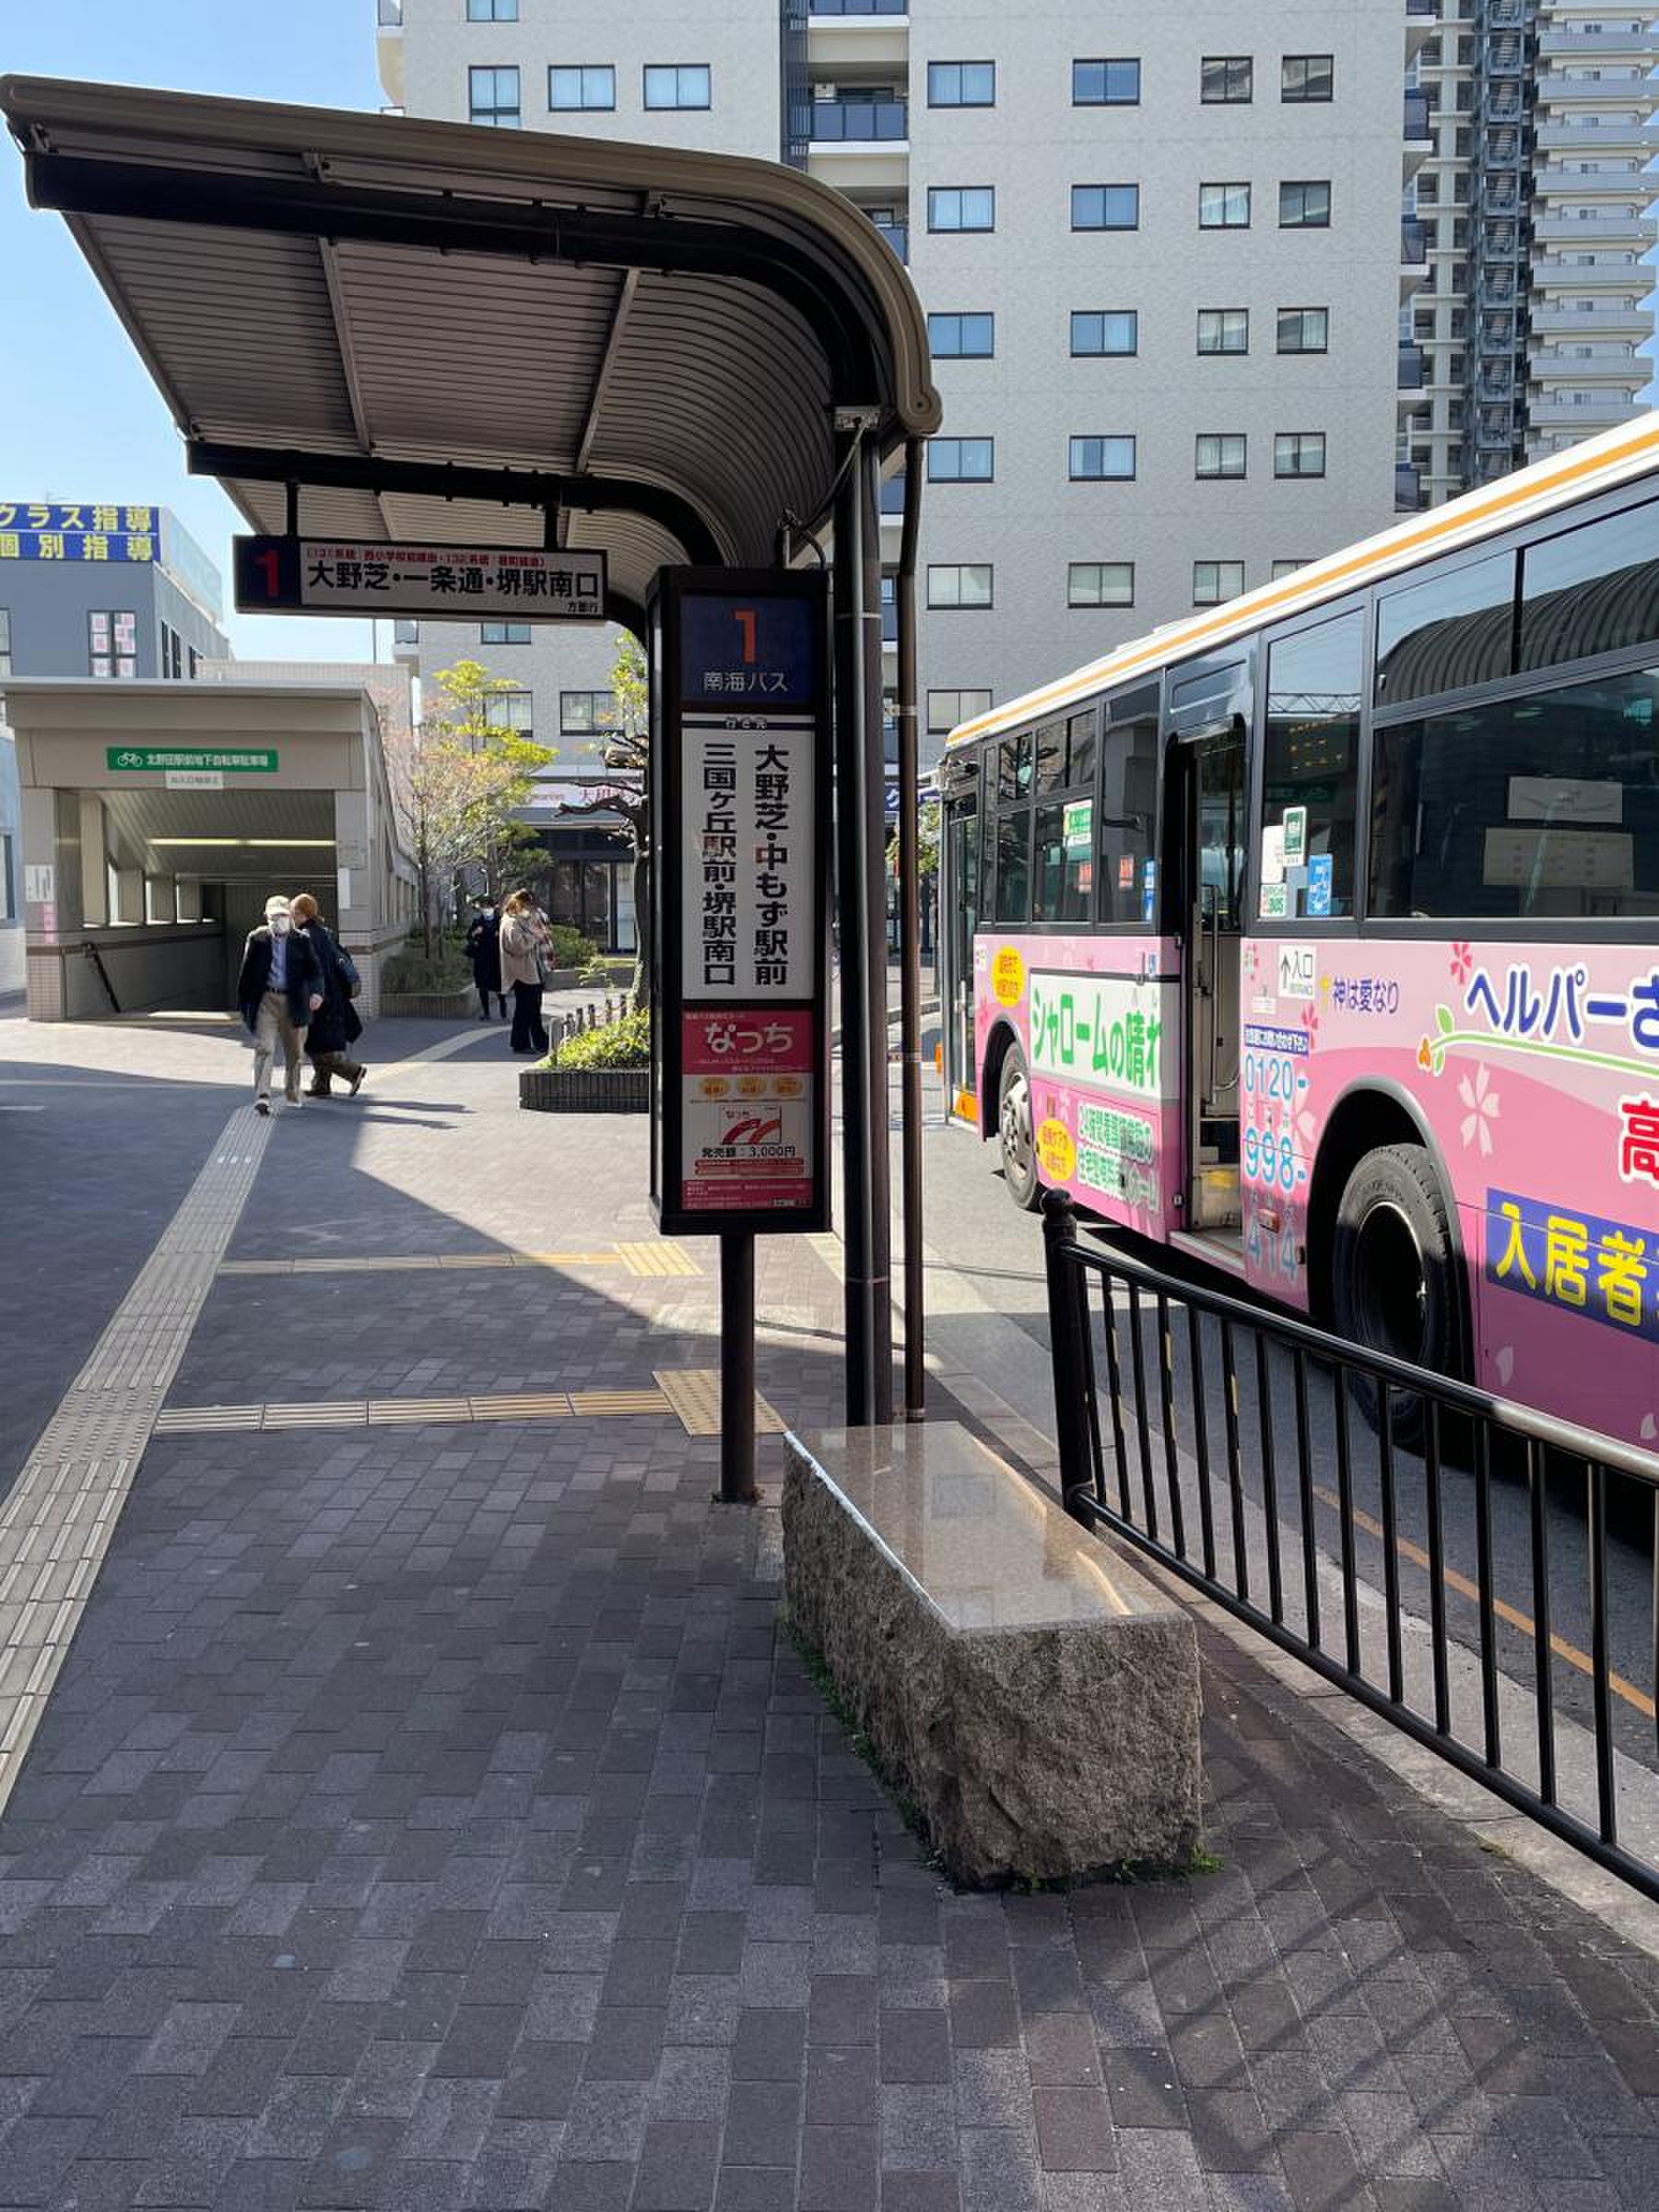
1080, 751
1543, 806
1013, 769
1128, 805
1051, 757
1310, 769
1454, 629
1592, 590
1014, 865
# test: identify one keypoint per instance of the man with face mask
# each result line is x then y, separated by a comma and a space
484, 951
280, 989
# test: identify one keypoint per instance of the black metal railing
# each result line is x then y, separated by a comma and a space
1361, 1512
858, 121
858, 8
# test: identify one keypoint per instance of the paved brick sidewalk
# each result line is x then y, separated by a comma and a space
434, 1817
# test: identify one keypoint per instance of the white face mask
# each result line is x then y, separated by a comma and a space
488, 914
280, 925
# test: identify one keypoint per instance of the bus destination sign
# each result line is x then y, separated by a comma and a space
332, 576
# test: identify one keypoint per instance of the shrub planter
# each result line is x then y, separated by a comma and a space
428, 1006
586, 1089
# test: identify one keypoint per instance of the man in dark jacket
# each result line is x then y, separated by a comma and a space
280, 989
335, 1025
484, 951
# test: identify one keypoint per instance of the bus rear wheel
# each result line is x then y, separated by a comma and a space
1393, 1276
1014, 1136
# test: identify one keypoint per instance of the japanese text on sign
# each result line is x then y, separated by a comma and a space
746, 925
1099, 1032
75, 531
1607, 1271
328, 576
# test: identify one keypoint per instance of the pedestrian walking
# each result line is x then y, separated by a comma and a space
523, 942
280, 989
484, 951
336, 1025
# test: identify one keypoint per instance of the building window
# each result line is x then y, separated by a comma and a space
960, 460
587, 714
1214, 580
581, 85
1226, 79
1105, 206
511, 711
961, 84
947, 709
1104, 329
172, 664
503, 633
1298, 454
1219, 453
1224, 330
676, 84
493, 11
492, 96
112, 641
1095, 460
1105, 84
961, 207
6, 666
1100, 583
962, 337
1304, 329
1306, 206
1224, 206
1306, 76
959, 583
1287, 567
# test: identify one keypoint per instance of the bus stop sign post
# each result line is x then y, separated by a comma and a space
739, 937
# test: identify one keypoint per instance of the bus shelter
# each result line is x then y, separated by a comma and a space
372, 328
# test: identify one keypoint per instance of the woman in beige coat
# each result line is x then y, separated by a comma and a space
523, 942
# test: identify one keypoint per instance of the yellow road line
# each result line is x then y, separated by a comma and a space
1512, 1614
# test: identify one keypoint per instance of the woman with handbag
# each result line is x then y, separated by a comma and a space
335, 1024
523, 943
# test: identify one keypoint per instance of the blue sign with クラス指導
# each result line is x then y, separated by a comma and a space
1607, 1271
76, 531
749, 652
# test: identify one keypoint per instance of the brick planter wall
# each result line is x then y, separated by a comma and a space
586, 1089
428, 1006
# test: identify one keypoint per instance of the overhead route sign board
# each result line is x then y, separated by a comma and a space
336, 576
740, 1086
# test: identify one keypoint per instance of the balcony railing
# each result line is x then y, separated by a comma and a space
388, 13
1408, 489
1417, 123
859, 122
1422, 8
1409, 377
1414, 243
857, 8
898, 237
892, 496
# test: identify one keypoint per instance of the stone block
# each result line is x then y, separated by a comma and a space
1038, 1703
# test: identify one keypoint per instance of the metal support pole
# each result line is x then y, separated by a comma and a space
737, 1368
910, 944
863, 958
1067, 1290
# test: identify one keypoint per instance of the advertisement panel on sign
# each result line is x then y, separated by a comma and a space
331, 576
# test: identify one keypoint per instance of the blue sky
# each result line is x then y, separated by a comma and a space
79, 418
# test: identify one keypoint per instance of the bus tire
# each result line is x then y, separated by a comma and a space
1016, 1133
1394, 1281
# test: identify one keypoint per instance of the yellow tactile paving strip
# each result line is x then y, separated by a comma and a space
694, 1394
662, 1257
383, 1413
57, 1521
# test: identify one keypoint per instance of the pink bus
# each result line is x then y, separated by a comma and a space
1318, 938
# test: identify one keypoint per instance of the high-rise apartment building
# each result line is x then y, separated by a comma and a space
1529, 221
1160, 248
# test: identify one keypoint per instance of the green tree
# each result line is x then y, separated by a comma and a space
470, 775
628, 756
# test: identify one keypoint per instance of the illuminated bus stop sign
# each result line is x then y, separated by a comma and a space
457, 583
740, 793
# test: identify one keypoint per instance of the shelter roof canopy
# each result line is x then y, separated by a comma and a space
643, 350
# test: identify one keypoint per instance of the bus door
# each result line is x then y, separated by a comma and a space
958, 920
1207, 782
